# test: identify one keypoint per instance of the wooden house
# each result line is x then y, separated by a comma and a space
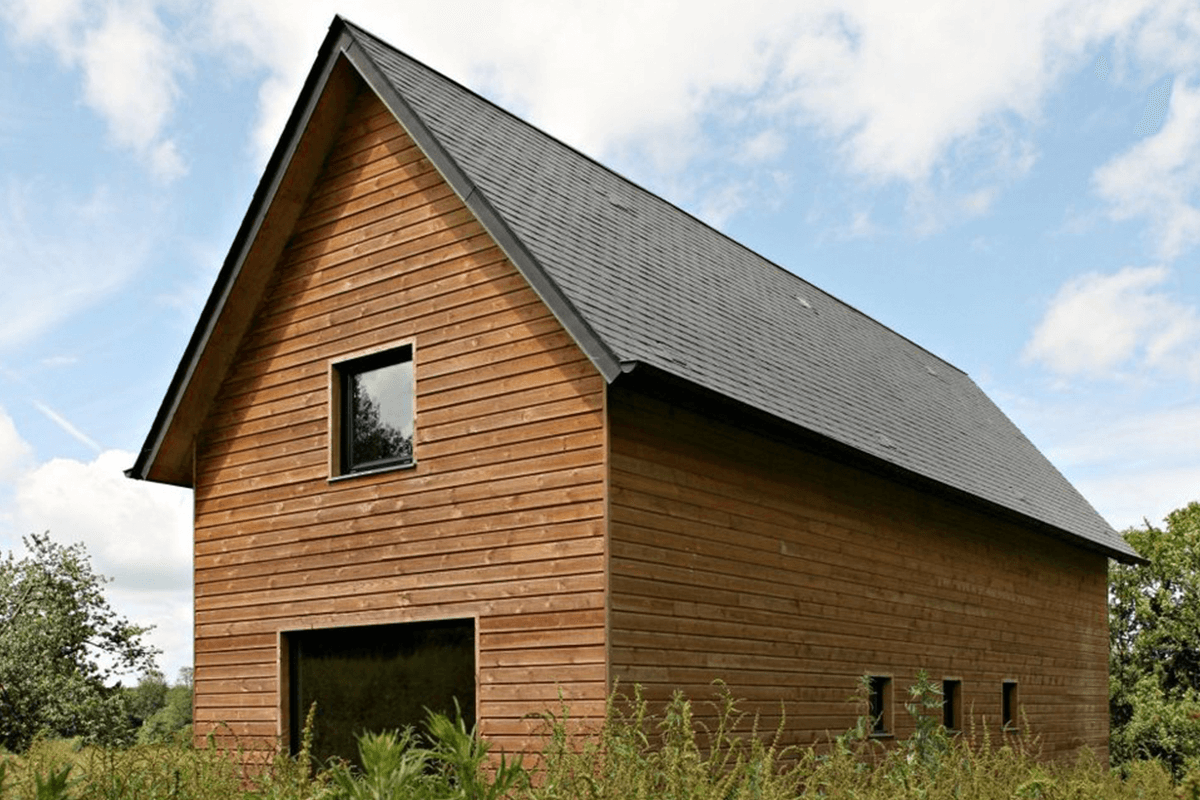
470, 417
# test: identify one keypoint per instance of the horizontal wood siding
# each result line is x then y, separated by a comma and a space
788, 576
502, 518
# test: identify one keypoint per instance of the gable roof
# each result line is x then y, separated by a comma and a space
638, 283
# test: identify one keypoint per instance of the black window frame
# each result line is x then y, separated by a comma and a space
342, 425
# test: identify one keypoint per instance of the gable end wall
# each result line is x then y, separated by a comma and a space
501, 519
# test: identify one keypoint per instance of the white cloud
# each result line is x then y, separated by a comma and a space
861, 226
51, 21
1129, 498
640, 84
1165, 437
938, 95
766, 145
166, 162
1099, 325
1158, 179
130, 67
15, 452
931, 209
170, 614
1135, 467
118, 57
1166, 35
139, 534
280, 36
900, 86
719, 205
603, 76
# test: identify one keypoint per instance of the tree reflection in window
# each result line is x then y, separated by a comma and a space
377, 403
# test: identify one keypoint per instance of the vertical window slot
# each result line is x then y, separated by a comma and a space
880, 705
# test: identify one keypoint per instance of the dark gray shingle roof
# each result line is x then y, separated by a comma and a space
659, 287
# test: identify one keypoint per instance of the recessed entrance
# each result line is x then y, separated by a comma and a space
377, 677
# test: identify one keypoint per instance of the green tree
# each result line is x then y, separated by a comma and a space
61, 648
145, 699
1154, 630
173, 714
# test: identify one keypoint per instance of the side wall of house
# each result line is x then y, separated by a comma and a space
789, 576
502, 518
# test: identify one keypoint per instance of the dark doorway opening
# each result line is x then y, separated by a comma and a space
377, 677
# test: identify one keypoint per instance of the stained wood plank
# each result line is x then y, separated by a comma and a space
789, 575
502, 516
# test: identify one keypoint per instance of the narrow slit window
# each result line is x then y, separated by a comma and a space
880, 705
374, 411
1009, 705
952, 704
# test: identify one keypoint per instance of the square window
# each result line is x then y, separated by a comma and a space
374, 412
880, 705
1009, 706
952, 705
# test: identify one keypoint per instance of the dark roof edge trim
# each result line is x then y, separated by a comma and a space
597, 351
260, 204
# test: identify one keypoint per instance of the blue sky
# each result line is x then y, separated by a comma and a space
1016, 188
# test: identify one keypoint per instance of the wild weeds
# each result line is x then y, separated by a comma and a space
675, 756
681, 751
394, 767
449, 762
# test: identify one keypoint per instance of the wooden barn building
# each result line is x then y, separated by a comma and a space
469, 416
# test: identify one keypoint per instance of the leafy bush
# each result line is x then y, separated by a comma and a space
157, 710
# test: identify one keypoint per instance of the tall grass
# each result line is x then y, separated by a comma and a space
636, 754
51, 770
